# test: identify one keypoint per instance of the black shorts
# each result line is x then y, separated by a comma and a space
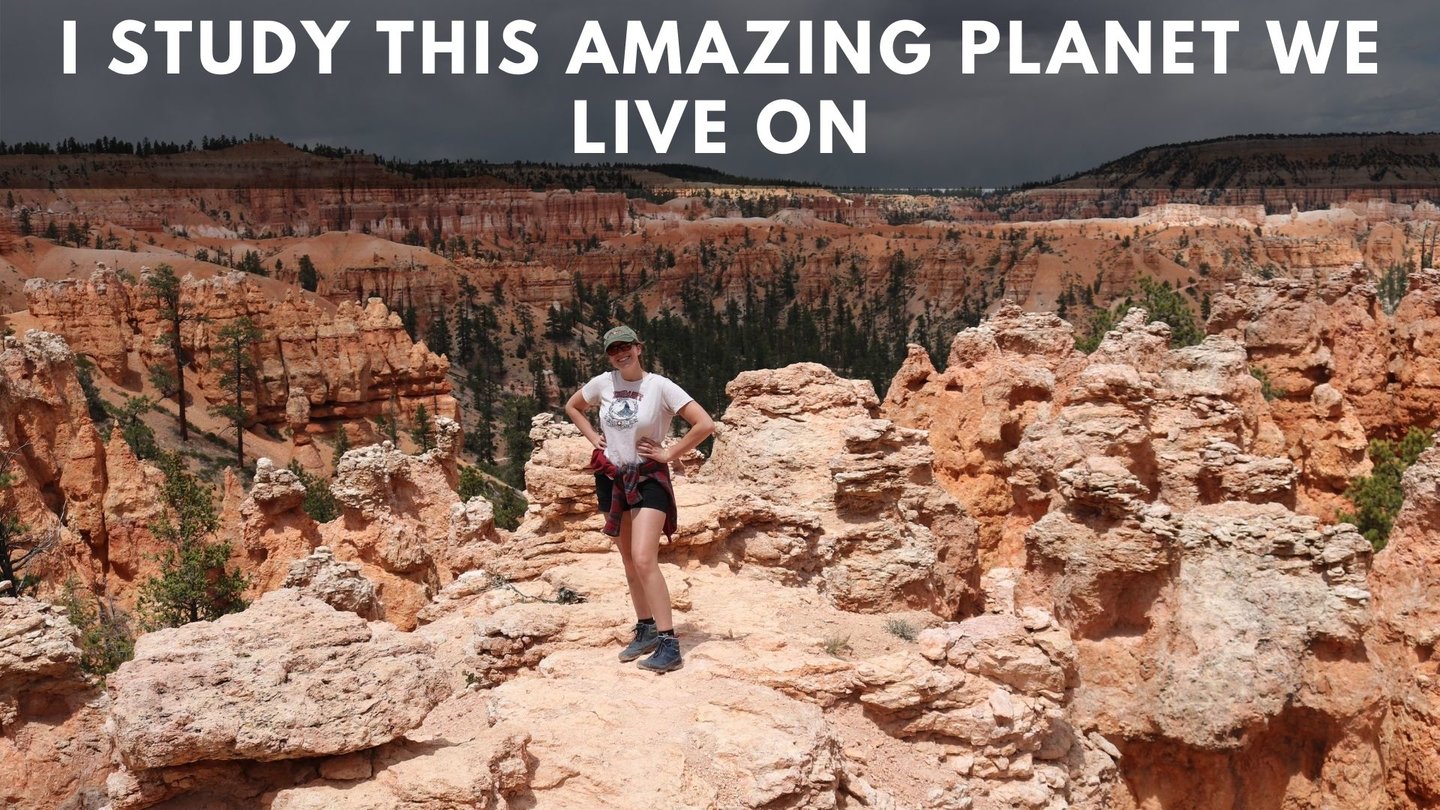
652, 494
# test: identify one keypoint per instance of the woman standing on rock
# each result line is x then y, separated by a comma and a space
632, 480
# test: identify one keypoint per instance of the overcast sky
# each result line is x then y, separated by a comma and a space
938, 127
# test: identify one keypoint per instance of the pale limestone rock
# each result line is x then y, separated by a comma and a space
52, 745
1153, 494
704, 746
996, 694
203, 784
53, 453
998, 378
132, 502
268, 528
402, 521
877, 527
339, 585
472, 536
476, 773
276, 489
289, 677
297, 414
37, 643
1339, 367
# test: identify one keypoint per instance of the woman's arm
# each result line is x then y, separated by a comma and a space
575, 409
701, 426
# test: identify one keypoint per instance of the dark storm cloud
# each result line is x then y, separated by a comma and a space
938, 127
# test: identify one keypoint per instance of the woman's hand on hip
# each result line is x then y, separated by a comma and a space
647, 448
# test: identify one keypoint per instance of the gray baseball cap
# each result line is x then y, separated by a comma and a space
620, 334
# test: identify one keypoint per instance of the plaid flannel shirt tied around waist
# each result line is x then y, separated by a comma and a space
625, 480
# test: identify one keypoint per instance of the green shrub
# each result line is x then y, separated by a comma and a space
901, 629
129, 417
105, 640
1267, 389
94, 403
1394, 283
319, 503
1377, 497
194, 582
509, 505
422, 429
1101, 321
1163, 303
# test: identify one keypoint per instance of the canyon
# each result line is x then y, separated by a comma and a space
1011, 573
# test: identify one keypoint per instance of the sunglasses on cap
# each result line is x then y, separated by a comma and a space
616, 348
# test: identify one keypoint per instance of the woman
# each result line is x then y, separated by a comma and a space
632, 480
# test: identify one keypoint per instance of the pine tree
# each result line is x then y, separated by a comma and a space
422, 429
464, 335
319, 503
1394, 283
137, 434
309, 277
481, 440
518, 443
1377, 497
163, 287
105, 640
342, 444
411, 321
388, 423
232, 358
1165, 303
194, 582
558, 326
438, 338
250, 263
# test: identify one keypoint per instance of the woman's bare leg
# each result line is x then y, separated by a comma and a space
632, 577
644, 541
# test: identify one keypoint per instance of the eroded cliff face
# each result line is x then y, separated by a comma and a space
1207, 613
95, 502
1404, 637
999, 378
1155, 502
334, 710
348, 362
1342, 370
401, 525
60, 488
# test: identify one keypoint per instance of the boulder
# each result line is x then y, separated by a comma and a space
289, 677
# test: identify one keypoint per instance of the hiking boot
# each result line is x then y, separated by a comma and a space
666, 656
644, 642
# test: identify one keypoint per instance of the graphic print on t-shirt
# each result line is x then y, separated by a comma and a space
624, 412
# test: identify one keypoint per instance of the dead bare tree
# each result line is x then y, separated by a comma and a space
21, 548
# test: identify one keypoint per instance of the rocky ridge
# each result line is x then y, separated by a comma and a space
345, 362
1148, 498
1136, 607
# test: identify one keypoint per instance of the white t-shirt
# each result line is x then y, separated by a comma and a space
630, 411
